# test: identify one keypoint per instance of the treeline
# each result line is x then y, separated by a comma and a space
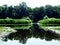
35, 14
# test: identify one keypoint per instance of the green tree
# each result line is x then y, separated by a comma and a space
9, 12
38, 14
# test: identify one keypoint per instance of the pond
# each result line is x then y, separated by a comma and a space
33, 35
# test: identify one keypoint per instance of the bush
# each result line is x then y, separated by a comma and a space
45, 17
15, 21
50, 21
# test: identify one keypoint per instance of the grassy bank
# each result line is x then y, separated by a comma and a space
6, 29
49, 22
57, 28
15, 21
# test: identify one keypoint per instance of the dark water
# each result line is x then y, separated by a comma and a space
32, 36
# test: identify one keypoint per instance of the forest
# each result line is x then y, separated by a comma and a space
35, 14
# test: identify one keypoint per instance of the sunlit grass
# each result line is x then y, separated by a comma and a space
50, 27
56, 28
5, 29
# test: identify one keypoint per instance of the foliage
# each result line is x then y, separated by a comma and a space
22, 10
50, 21
15, 21
45, 17
38, 14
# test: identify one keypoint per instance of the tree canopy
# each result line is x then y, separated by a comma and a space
22, 10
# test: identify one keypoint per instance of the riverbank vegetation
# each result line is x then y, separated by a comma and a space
47, 15
35, 14
50, 22
15, 21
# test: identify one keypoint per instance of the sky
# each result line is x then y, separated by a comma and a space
31, 3
31, 41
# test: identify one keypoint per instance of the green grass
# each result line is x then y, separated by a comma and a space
5, 29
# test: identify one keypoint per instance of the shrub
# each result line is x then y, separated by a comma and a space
45, 17
15, 21
50, 21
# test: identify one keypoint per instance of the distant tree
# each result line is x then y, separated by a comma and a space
5, 9
30, 13
16, 12
56, 11
38, 14
1, 9
49, 11
35, 14
9, 12
23, 12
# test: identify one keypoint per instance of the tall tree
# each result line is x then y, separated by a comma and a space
9, 12
49, 11
23, 10
38, 14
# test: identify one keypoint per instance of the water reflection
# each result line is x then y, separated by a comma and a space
42, 34
23, 34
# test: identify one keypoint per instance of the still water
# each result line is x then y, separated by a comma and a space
32, 36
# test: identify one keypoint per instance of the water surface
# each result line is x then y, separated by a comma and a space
31, 36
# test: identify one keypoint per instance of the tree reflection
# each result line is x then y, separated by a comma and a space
24, 34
